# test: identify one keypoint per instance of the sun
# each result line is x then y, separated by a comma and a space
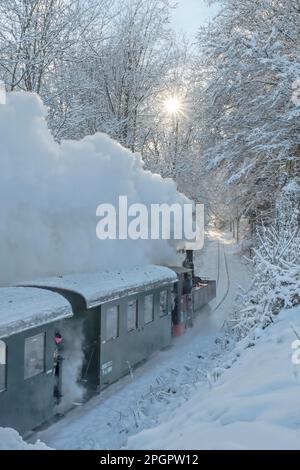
173, 105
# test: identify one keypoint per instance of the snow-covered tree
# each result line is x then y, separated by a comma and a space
247, 70
34, 34
39, 42
170, 144
108, 66
122, 73
276, 266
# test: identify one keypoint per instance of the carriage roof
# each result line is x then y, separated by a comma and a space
100, 287
25, 308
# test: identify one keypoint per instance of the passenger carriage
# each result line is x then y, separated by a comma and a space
122, 316
86, 331
110, 321
28, 318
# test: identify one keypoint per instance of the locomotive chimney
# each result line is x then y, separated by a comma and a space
189, 260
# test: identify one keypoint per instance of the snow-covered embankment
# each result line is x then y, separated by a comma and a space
253, 405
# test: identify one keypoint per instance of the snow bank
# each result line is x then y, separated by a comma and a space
49, 193
11, 440
252, 405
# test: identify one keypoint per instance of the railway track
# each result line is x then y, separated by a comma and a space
218, 276
227, 275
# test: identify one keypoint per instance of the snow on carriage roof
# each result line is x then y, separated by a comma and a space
99, 287
24, 308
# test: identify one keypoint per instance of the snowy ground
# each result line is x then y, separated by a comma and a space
156, 390
252, 405
11, 440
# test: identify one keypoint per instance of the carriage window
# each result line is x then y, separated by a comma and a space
149, 309
112, 322
2, 366
163, 303
132, 315
34, 355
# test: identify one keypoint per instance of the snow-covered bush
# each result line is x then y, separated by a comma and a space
276, 263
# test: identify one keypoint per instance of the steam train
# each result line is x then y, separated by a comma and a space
91, 329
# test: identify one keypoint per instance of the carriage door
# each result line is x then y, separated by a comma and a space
111, 347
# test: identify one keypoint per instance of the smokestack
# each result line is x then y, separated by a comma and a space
189, 260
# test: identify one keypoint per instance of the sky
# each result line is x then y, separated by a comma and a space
190, 14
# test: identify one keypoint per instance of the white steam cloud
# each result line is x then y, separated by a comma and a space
50, 192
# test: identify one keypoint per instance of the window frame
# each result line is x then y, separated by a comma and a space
43, 370
133, 300
107, 309
161, 313
153, 310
